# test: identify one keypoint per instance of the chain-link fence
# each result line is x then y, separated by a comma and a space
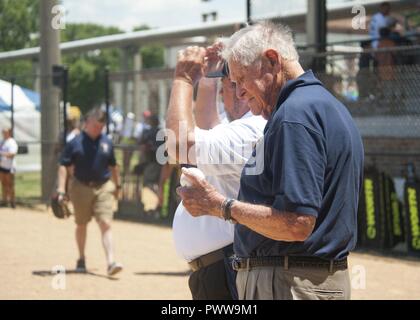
379, 87
148, 188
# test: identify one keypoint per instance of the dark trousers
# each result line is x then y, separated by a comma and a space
214, 282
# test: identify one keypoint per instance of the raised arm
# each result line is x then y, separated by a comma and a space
179, 118
205, 111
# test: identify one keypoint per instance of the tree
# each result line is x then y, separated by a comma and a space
87, 70
86, 85
19, 28
153, 55
19, 25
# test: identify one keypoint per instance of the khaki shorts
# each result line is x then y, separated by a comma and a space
91, 202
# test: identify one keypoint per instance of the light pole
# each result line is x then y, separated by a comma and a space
49, 56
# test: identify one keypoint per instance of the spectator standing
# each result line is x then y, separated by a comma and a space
8, 151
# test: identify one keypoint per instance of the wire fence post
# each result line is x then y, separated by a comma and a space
12, 106
65, 75
107, 98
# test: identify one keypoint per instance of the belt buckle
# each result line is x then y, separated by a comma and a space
235, 263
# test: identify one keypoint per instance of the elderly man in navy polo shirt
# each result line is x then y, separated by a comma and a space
296, 217
91, 157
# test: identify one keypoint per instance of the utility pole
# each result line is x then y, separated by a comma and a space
50, 95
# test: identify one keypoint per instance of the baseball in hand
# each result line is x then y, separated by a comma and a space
194, 171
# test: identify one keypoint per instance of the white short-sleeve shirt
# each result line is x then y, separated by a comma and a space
8, 146
221, 154
377, 22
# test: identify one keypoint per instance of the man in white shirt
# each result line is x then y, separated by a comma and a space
8, 151
380, 20
220, 150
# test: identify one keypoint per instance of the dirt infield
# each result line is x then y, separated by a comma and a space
33, 242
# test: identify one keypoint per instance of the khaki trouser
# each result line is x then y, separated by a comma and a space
91, 202
277, 283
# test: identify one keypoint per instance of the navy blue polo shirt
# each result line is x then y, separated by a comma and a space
313, 164
91, 158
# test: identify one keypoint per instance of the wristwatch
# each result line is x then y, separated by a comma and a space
226, 210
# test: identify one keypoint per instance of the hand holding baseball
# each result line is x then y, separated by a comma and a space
185, 182
198, 196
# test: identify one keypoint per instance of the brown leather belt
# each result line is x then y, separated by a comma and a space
288, 262
207, 259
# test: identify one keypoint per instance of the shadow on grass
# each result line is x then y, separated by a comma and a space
163, 273
48, 273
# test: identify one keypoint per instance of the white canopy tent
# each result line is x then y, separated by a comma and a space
27, 119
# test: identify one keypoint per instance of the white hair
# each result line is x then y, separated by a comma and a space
246, 45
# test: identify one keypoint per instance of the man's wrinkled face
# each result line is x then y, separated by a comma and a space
254, 84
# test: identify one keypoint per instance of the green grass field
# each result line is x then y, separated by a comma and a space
28, 185
133, 161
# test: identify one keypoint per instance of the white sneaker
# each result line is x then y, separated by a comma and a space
114, 268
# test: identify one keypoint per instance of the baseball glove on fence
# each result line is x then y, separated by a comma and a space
61, 208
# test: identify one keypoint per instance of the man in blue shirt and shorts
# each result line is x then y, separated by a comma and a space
95, 184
